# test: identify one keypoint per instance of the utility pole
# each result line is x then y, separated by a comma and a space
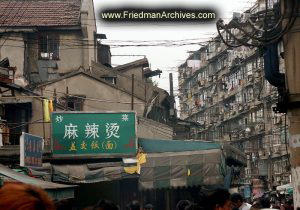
172, 109
43, 113
54, 100
67, 98
132, 92
291, 43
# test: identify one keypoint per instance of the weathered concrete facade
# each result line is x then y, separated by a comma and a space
97, 95
73, 43
230, 97
58, 52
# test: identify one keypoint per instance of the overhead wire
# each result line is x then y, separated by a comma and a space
263, 40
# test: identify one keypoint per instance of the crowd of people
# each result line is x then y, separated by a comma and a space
27, 197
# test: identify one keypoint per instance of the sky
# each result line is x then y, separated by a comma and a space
167, 59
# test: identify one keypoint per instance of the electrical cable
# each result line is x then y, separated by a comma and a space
268, 40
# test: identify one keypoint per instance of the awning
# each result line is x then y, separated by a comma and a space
83, 174
55, 191
182, 169
159, 145
184, 163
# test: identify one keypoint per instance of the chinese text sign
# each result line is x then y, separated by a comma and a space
85, 133
31, 150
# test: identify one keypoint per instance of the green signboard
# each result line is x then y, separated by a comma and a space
94, 134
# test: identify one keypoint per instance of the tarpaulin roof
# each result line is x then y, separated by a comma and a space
182, 169
168, 163
183, 163
56, 191
82, 174
158, 145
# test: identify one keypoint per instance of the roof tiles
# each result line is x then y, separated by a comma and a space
16, 13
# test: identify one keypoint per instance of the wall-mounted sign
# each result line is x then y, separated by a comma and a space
31, 150
94, 134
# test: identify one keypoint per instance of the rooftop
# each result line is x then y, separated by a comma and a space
20, 13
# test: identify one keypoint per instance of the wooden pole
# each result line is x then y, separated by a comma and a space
54, 100
43, 112
172, 108
132, 91
67, 98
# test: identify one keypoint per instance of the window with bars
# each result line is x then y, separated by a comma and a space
48, 46
75, 103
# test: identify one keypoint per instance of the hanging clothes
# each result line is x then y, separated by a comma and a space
51, 105
46, 111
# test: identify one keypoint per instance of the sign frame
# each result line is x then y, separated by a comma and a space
95, 156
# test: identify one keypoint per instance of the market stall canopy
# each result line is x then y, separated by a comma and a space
55, 191
232, 154
182, 169
160, 145
184, 163
84, 174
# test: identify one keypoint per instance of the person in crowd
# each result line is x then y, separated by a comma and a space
149, 206
64, 204
218, 200
105, 205
256, 205
238, 202
183, 205
265, 202
24, 197
134, 205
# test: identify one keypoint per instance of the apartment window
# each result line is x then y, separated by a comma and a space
48, 47
249, 68
112, 80
260, 115
75, 103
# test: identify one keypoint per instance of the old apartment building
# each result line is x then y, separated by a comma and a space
224, 90
53, 50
